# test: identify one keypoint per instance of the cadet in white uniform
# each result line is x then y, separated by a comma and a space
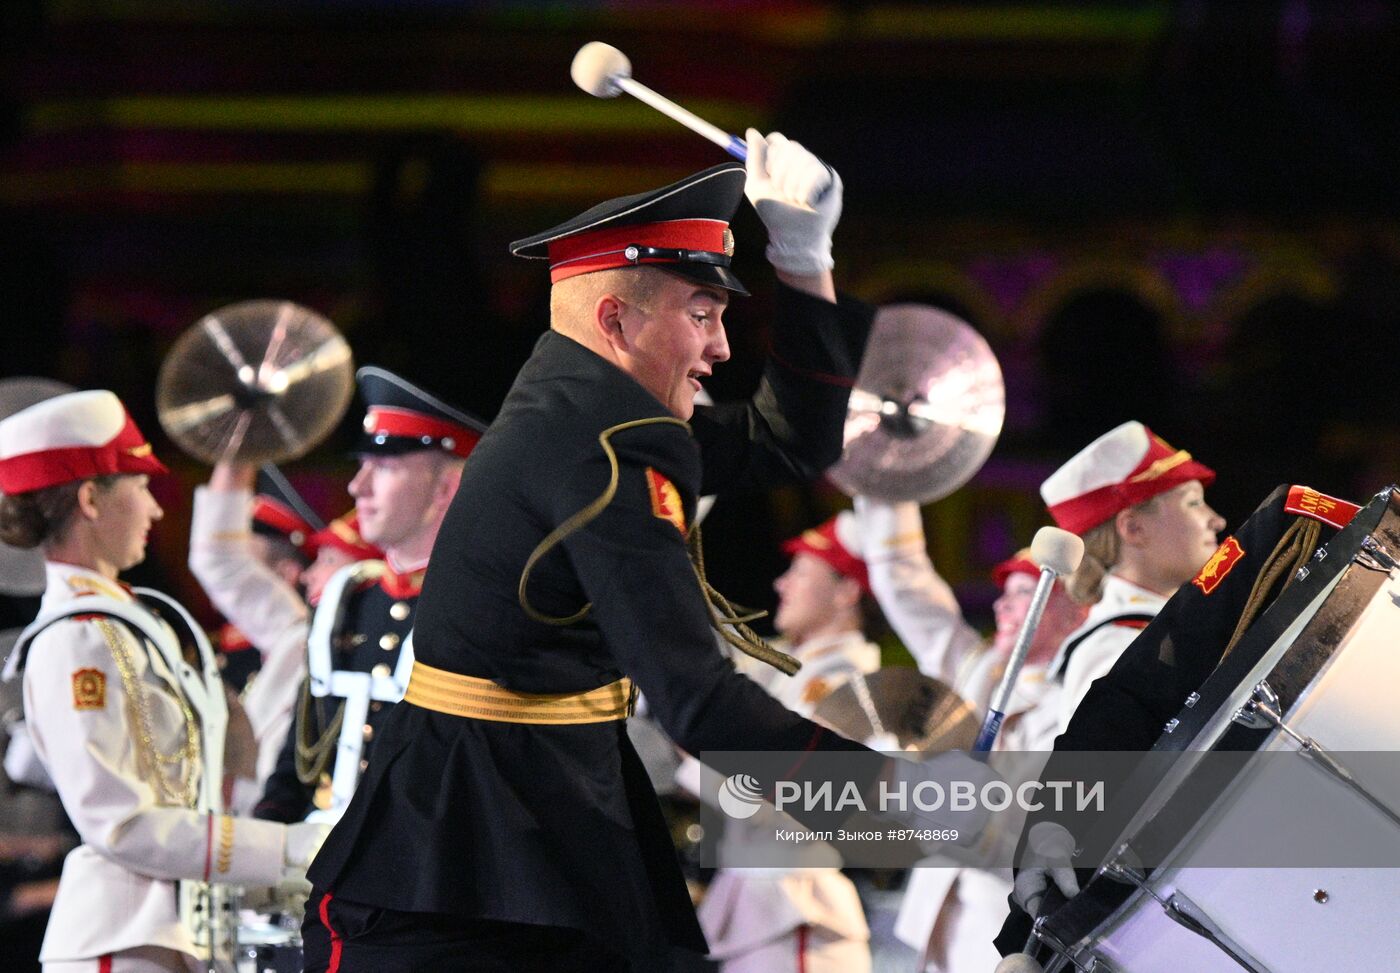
109, 719
1140, 506
950, 914
802, 920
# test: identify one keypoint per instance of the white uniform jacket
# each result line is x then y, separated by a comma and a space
964, 906
122, 748
1112, 625
262, 606
747, 912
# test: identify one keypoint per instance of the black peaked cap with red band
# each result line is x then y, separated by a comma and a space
279, 511
682, 228
401, 418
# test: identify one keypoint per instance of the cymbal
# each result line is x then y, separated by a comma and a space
924, 713
22, 572
926, 409
256, 382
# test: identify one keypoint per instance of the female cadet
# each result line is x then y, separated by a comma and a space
118, 728
1140, 506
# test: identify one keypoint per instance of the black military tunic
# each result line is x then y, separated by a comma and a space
558, 825
1128, 707
378, 616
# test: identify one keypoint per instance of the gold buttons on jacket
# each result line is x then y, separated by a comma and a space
369, 733
389, 641
380, 671
399, 610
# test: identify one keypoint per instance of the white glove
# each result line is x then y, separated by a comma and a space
1049, 856
948, 771
798, 198
303, 841
889, 531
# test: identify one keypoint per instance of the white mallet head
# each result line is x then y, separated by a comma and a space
1057, 549
595, 67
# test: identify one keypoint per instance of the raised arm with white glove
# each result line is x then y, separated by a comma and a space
798, 198
919, 604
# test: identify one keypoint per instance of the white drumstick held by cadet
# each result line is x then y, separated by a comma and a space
1058, 553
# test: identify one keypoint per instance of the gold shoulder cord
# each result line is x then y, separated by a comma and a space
313, 756
729, 621
1294, 549
150, 761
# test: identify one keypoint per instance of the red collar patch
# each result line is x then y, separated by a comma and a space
1221, 563
406, 585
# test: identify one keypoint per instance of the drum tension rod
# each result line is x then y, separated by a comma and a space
1263, 710
1188, 915
1374, 555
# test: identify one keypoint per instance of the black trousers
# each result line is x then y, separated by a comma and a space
348, 937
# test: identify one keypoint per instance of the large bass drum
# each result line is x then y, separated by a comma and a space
1314, 680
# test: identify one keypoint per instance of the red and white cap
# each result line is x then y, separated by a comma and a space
71, 437
1018, 563
1120, 469
835, 542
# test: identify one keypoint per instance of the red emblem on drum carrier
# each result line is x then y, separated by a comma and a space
1219, 565
89, 689
1319, 506
665, 499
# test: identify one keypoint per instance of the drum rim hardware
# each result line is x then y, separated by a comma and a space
1262, 711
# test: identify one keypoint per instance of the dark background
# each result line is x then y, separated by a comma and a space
1179, 212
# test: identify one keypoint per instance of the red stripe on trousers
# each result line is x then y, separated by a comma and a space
104, 964
802, 949
335, 936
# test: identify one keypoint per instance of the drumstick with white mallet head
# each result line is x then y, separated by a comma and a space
1058, 553
605, 72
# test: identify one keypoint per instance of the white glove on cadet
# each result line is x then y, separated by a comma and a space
798, 198
1049, 856
303, 841
292, 889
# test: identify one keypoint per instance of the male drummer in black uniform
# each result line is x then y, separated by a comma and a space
505, 822
412, 452
1172, 658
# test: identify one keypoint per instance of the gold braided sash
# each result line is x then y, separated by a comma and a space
481, 699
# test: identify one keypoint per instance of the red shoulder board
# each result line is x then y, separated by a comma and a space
1307, 502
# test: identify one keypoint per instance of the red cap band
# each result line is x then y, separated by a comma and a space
127, 452
1020, 564
604, 249
822, 542
284, 520
390, 421
1162, 469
